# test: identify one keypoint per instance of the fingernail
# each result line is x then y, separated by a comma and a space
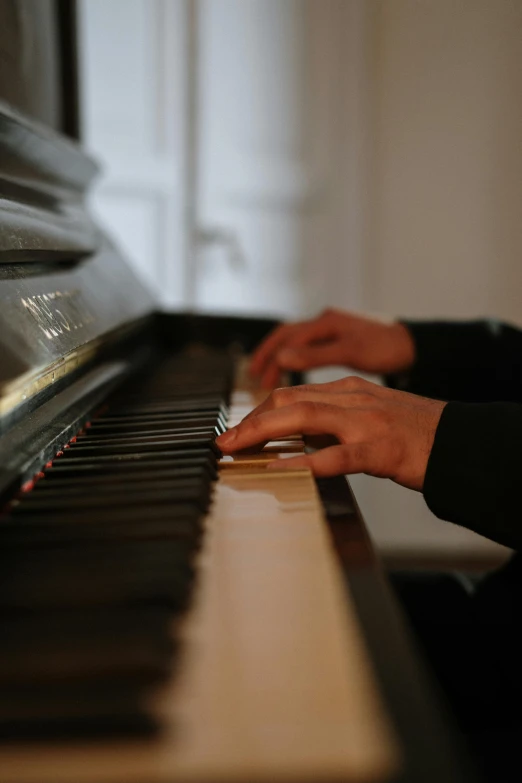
288, 356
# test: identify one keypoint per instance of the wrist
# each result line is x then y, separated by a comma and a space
404, 348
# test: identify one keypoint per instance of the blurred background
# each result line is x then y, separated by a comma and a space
281, 156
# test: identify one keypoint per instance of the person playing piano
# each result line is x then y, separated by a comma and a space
448, 424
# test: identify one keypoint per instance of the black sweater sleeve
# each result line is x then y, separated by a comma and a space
474, 473
478, 361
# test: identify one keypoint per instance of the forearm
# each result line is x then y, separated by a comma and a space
479, 361
474, 470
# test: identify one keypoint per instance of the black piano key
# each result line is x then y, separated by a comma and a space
156, 573
158, 425
116, 415
147, 466
193, 487
135, 469
73, 709
184, 511
108, 420
52, 479
15, 536
144, 497
105, 462
138, 447
177, 382
63, 645
174, 514
154, 423
192, 396
110, 531
146, 436
116, 412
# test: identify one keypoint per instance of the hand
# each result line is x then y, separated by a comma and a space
378, 431
333, 338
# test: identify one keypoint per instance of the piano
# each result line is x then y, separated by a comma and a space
167, 614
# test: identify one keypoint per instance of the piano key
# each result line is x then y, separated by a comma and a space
172, 442
192, 405
156, 573
158, 419
188, 457
95, 438
40, 536
78, 489
145, 497
44, 535
117, 416
186, 512
151, 424
145, 466
74, 709
52, 479
180, 458
61, 645
113, 524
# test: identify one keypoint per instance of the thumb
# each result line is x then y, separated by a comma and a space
306, 357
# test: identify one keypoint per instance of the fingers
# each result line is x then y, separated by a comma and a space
332, 461
306, 357
318, 330
320, 441
282, 397
347, 392
270, 358
271, 376
310, 418
268, 347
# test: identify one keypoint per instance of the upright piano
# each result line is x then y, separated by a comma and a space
167, 614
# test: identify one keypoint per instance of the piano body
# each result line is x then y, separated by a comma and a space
167, 615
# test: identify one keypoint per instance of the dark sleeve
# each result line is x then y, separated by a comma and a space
478, 361
474, 473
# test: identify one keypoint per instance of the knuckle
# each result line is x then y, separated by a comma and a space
303, 388
282, 396
354, 383
287, 395
329, 313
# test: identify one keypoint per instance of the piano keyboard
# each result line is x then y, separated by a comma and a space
265, 678
97, 556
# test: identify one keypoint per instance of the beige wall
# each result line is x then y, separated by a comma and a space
444, 214
446, 220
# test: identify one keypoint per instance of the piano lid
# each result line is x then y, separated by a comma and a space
43, 179
64, 287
